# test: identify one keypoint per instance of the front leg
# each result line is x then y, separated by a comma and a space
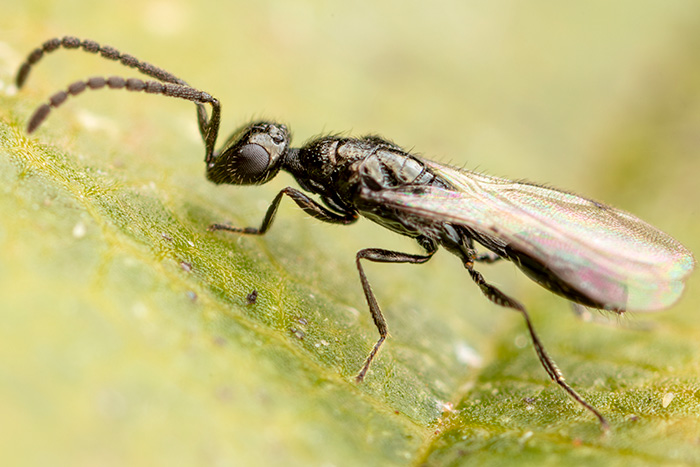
309, 206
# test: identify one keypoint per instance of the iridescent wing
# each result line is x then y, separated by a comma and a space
605, 254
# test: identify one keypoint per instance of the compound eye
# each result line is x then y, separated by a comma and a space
252, 155
252, 161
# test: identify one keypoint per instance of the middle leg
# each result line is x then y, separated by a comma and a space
379, 255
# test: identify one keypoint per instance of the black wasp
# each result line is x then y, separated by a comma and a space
590, 253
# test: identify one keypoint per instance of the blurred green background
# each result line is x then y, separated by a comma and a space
126, 338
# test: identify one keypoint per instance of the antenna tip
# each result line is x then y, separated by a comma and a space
39, 116
22, 74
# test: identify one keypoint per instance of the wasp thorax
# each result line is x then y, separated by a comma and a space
251, 156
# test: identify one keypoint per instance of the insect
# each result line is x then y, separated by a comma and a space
590, 253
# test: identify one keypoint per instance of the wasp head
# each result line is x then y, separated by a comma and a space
252, 155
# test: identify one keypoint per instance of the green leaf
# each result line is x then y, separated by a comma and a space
128, 337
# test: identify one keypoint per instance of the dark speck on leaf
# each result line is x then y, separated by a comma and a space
251, 297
